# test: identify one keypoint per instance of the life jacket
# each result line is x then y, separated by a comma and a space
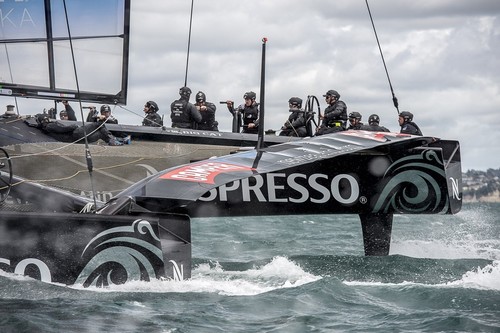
250, 114
339, 120
179, 114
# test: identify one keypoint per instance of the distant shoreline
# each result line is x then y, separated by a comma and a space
493, 197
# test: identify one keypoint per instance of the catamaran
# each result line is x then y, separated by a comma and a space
143, 232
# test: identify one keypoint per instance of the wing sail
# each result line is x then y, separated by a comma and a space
36, 55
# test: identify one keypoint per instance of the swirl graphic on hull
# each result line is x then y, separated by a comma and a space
122, 254
414, 186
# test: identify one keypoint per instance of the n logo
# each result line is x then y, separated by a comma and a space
455, 189
178, 273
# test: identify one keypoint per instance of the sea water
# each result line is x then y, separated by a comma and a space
293, 274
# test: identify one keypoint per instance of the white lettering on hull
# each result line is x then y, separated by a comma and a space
276, 184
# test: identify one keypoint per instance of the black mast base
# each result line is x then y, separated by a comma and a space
377, 230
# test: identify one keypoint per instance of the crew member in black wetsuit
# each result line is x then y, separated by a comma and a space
355, 121
106, 115
152, 118
296, 122
69, 111
75, 133
248, 112
335, 116
183, 113
407, 125
207, 111
373, 125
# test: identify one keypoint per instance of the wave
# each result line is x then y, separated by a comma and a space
448, 248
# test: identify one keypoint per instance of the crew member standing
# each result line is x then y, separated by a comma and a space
248, 112
183, 113
207, 111
152, 118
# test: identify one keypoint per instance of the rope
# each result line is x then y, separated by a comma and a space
394, 98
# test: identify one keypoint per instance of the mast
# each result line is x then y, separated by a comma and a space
260, 141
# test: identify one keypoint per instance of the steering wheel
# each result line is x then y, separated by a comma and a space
5, 175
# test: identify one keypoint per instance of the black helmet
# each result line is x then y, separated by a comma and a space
374, 119
152, 106
185, 91
295, 101
406, 115
105, 108
332, 93
355, 115
250, 95
200, 97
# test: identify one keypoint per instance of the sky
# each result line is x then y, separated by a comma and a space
442, 58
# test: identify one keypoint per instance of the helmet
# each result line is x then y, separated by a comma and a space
355, 115
105, 108
406, 115
200, 97
63, 113
185, 91
374, 119
152, 106
250, 95
332, 93
295, 101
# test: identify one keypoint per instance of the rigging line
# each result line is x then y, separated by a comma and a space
11, 76
87, 149
55, 149
189, 43
394, 98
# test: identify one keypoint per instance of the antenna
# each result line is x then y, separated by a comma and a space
189, 43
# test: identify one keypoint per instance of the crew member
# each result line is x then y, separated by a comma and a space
183, 113
72, 132
152, 118
407, 125
335, 116
69, 111
296, 123
63, 115
207, 111
355, 121
373, 125
106, 115
248, 112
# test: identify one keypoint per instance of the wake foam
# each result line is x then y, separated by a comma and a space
278, 274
